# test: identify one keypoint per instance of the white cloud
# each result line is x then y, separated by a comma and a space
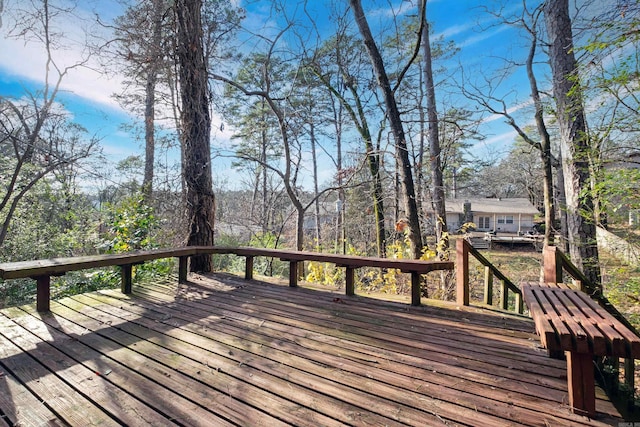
28, 60
480, 37
510, 111
501, 139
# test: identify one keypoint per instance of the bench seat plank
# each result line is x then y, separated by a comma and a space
59, 266
580, 323
568, 319
574, 316
606, 339
578, 337
548, 336
631, 340
548, 318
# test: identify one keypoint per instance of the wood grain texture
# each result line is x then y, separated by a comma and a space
227, 351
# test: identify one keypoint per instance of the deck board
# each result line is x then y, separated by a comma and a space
220, 350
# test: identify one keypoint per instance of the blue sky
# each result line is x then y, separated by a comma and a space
87, 94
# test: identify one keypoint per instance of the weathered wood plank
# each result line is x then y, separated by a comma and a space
632, 341
128, 407
566, 320
411, 378
385, 401
251, 295
576, 313
245, 348
19, 406
76, 409
93, 383
238, 379
429, 338
548, 336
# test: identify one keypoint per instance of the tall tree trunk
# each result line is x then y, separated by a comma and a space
437, 179
314, 160
340, 229
153, 69
574, 143
359, 117
264, 140
149, 136
395, 122
545, 141
196, 129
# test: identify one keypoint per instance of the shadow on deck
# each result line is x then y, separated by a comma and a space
220, 350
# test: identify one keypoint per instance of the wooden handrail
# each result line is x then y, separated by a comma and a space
463, 250
42, 270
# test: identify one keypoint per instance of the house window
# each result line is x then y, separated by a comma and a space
483, 222
506, 219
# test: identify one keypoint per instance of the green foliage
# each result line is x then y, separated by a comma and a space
369, 279
268, 266
618, 192
264, 240
228, 262
131, 226
623, 290
51, 221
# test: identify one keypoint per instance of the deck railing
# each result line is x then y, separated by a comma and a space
555, 264
42, 270
463, 250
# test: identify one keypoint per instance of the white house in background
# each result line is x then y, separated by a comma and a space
512, 215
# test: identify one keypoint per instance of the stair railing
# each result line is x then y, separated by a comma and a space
463, 250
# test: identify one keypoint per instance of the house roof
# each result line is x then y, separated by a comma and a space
516, 205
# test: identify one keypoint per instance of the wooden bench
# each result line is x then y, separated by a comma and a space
569, 321
412, 266
42, 270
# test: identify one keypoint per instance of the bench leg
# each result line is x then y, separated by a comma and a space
43, 293
293, 274
182, 269
350, 288
582, 391
127, 276
248, 268
415, 288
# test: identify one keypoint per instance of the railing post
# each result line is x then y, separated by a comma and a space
551, 265
504, 293
43, 293
519, 303
462, 273
488, 286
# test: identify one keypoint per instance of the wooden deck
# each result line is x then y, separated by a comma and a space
220, 350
